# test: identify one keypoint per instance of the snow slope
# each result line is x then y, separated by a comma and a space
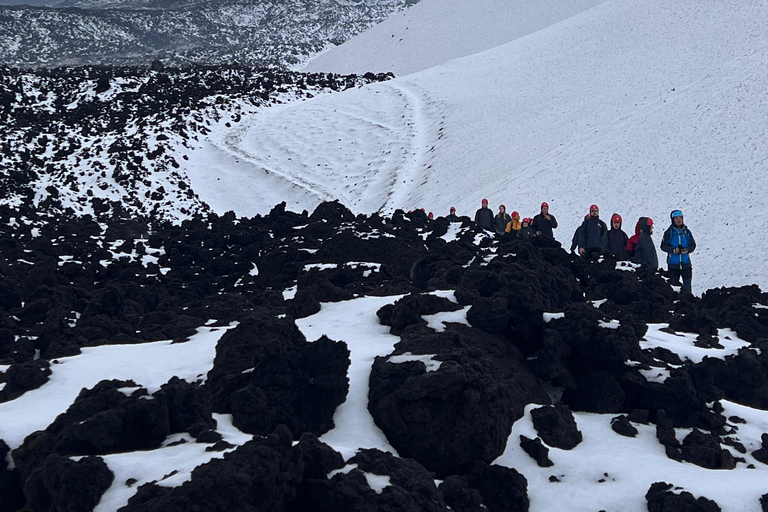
435, 31
637, 106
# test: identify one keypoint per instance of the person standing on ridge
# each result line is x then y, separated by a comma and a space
678, 243
514, 225
525, 232
452, 217
501, 220
484, 216
615, 240
576, 235
645, 251
632, 242
544, 223
592, 231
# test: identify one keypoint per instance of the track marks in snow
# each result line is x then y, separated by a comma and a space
367, 147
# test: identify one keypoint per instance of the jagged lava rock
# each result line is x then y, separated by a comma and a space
462, 412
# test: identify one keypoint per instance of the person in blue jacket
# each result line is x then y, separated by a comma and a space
678, 243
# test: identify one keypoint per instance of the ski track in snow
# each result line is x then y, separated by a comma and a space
373, 154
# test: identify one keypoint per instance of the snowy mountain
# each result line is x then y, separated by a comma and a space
638, 107
255, 33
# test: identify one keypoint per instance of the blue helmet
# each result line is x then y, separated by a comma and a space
675, 213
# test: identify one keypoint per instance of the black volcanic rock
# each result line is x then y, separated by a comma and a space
462, 412
622, 426
266, 374
23, 377
261, 475
662, 498
537, 451
63, 484
118, 416
411, 487
502, 489
556, 426
10, 484
762, 453
457, 495
704, 450
408, 310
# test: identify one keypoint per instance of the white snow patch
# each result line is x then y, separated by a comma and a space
431, 364
150, 365
548, 317
610, 324
438, 320
683, 345
354, 322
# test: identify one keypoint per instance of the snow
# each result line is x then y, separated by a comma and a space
354, 322
682, 343
627, 468
438, 320
454, 231
658, 375
548, 317
431, 364
148, 364
435, 31
168, 466
639, 106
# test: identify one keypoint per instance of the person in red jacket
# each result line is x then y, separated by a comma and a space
632, 242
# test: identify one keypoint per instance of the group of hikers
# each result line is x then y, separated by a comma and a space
593, 238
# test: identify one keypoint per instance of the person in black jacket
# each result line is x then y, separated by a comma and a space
645, 251
484, 216
615, 240
452, 217
544, 223
576, 235
501, 220
592, 231
526, 231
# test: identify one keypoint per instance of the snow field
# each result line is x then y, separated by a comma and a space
637, 106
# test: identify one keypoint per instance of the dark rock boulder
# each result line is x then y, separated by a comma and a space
118, 416
266, 374
261, 475
536, 450
459, 497
665, 433
63, 484
662, 498
20, 378
10, 484
623, 427
502, 489
408, 310
556, 426
410, 486
462, 412
761, 454
705, 450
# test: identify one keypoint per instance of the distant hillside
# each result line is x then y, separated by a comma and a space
278, 33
